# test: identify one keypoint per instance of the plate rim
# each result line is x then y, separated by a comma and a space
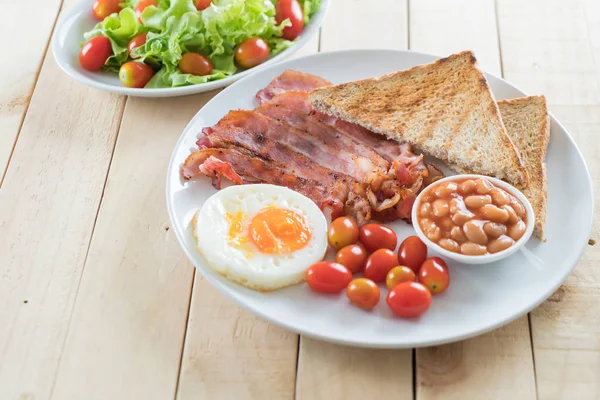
357, 343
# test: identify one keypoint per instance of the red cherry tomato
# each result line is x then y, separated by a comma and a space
377, 236
139, 9
103, 8
352, 257
290, 9
412, 253
195, 64
94, 53
137, 41
251, 52
409, 299
379, 264
398, 275
363, 293
202, 4
135, 75
328, 277
342, 232
434, 275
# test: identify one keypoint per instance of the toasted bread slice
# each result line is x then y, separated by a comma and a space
444, 109
528, 125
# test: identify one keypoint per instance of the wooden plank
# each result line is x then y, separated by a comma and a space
553, 47
127, 330
325, 370
48, 205
498, 364
19, 70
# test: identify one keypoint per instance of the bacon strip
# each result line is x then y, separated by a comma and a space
290, 80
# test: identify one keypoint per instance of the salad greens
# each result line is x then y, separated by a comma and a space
175, 27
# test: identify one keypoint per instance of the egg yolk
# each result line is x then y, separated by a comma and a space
278, 230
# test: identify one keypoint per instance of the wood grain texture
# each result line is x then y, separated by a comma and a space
48, 205
21, 64
127, 331
553, 47
497, 365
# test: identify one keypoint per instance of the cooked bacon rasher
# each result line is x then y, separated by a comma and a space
339, 165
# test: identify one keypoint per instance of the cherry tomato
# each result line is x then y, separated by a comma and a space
202, 4
251, 52
398, 275
409, 299
328, 277
434, 275
379, 264
137, 41
352, 257
139, 9
94, 53
195, 64
290, 9
363, 293
103, 8
412, 253
342, 232
377, 236
135, 75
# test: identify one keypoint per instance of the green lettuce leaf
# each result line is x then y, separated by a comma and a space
309, 8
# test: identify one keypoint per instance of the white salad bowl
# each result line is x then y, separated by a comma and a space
68, 36
487, 258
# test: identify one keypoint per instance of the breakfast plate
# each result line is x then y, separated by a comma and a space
68, 37
481, 297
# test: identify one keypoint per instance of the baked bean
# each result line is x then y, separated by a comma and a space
467, 187
457, 235
425, 209
456, 204
499, 197
518, 207
462, 216
478, 201
494, 213
493, 229
483, 186
517, 230
433, 232
474, 232
425, 224
445, 189
472, 249
502, 243
440, 208
449, 245
513, 218
446, 223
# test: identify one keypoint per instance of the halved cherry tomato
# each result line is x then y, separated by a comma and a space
398, 275
377, 236
379, 264
139, 9
328, 277
135, 75
103, 8
409, 299
363, 293
251, 52
94, 53
342, 232
195, 64
412, 253
202, 4
137, 41
290, 9
434, 275
352, 257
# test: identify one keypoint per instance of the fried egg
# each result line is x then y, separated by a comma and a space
261, 236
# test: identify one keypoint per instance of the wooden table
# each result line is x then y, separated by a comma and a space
97, 300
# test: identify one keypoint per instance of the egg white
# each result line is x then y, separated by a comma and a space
245, 264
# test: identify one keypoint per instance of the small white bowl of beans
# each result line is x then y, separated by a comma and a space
473, 219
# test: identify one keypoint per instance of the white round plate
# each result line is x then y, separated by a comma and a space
79, 19
480, 297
